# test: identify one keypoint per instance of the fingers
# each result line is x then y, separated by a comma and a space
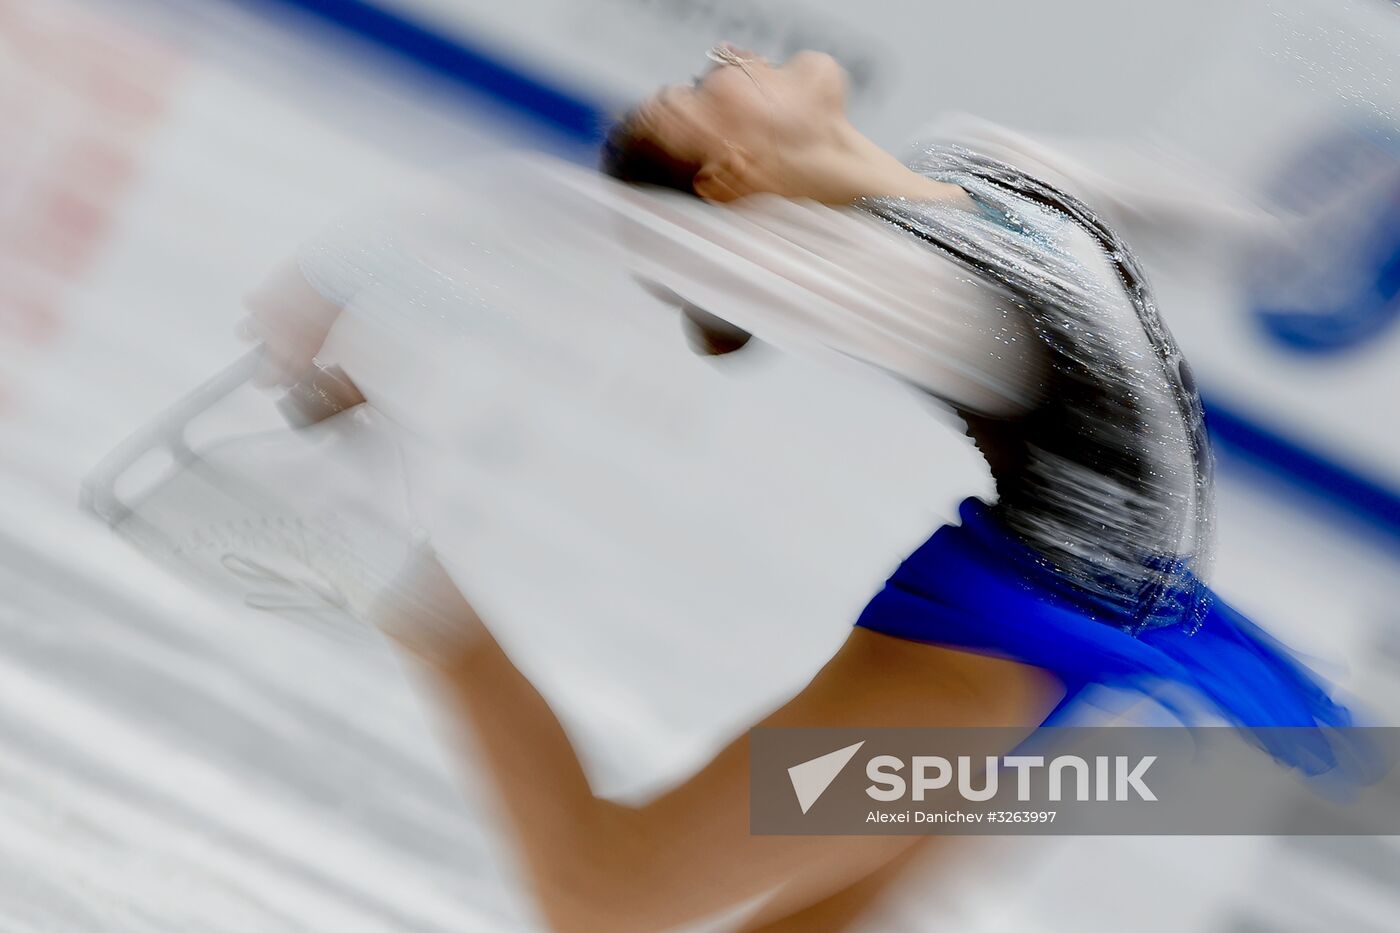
251, 330
285, 361
289, 349
292, 321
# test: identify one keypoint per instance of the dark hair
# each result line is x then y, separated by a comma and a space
632, 155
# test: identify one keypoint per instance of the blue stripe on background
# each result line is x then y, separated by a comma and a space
471, 68
1323, 480
454, 60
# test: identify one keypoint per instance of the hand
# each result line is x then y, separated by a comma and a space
291, 320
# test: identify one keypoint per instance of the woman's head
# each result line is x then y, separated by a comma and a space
744, 126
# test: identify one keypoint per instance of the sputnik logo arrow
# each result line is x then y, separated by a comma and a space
811, 778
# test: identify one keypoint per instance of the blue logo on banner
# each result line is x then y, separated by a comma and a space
1335, 285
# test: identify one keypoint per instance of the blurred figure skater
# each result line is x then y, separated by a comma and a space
978, 282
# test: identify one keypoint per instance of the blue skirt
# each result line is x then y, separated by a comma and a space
975, 587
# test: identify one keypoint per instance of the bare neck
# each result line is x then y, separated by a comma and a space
849, 166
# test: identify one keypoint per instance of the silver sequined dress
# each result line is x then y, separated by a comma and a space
1108, 478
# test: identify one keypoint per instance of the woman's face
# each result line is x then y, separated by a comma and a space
748, 105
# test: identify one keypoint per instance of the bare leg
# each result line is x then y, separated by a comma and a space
842, 910
599, 865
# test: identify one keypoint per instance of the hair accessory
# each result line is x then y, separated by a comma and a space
724, 55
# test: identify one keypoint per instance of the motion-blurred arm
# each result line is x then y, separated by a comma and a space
556, 248
811, 279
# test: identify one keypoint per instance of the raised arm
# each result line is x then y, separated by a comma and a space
810, 278
552, 245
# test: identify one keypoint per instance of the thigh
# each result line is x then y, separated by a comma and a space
845, 908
